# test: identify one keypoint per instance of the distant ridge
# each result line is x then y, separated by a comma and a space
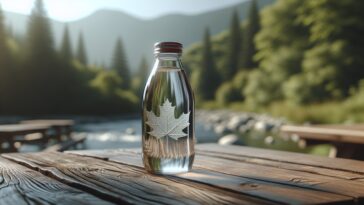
102, 28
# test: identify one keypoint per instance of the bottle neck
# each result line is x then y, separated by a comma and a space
168, 60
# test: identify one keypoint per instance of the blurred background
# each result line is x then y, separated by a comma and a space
253, 64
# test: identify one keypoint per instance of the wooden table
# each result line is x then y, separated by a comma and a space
348, 139
59, 126
221, 175
9, 132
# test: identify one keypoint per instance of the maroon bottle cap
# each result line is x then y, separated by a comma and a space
168, 47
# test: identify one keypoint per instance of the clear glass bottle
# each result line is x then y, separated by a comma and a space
168, 114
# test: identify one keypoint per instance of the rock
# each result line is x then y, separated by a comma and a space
301, 143
263, 126
243, 129
250, 124
221, 129
130, 131
269, 140
295, 137
230, 139
236, 121
214, 119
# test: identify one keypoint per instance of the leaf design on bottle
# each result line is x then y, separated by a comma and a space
166, 124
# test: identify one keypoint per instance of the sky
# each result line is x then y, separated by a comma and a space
69, 10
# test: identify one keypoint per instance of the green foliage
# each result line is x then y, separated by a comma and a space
127, 97
207, 78
336, 31
106, 82
234, 48
38, 80
66, 48
232, 91
120, 64
6, 67
226, 55
140, 79
40, 69
227, 93
259, 92
39, 35
112, 99
319, 56
240, 80
252, 28
81, 50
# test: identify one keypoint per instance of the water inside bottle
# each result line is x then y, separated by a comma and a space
168, 154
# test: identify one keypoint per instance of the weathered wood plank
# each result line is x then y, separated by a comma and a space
281, 188
326, 134
20, 185
284, 176
290, 166
50, 122
121, 183
308, 180
106, 154
348, 165
342, 126
62, 146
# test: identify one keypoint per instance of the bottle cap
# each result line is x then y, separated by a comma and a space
168, 47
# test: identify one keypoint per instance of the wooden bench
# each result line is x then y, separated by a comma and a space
220, 175
348, 139
60, 127
65, 145
15, 134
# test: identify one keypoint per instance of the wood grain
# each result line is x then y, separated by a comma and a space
290, 166
326, 134
346, 165
260, 181
128, 184
342, 126
20, 185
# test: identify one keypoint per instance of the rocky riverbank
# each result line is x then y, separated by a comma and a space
228, 127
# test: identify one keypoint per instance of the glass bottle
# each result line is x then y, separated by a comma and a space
168, 114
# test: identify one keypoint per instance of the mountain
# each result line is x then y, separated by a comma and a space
102, 28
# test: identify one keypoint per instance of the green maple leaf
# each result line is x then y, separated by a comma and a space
166, 124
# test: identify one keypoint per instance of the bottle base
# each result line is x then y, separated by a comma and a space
168, 166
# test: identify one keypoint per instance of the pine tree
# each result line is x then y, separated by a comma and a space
9, 31
251, 30
208, 78
120, 64
81, 50
141, 76
40, 41
41, 77
234, 49
5, 66
143, 71
5, 53
66, 49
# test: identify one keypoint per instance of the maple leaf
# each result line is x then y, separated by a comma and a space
166, 124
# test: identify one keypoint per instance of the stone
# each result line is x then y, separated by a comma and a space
221, 129
130, 131
263, 126
230, 139
269, 140
243, 129
236, 121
